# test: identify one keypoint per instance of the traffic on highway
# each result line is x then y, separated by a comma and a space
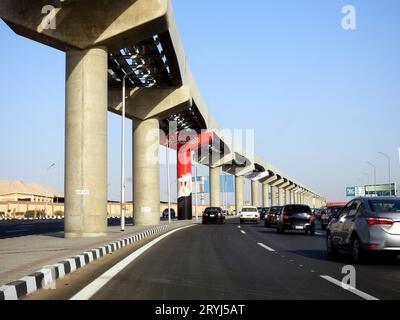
287, 255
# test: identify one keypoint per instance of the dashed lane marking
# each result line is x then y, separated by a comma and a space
266, 247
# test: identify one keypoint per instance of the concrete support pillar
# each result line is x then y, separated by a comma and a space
146, 172
288, 201
281, 196
255, 193
292, 195
215, 200
86, 143
266, 194
239, 193
274, 196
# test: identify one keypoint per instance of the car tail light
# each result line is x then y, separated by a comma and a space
372, 246
286, 217
376, 221
312, 216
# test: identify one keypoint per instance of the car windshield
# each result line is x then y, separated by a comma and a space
297, 209
249, 210
389, 206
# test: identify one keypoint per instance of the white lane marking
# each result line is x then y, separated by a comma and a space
319, 234
239, 227
244, 232
351, 289
266, 247
91, 289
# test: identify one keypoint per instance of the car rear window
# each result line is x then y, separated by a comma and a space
297, 209
249, 210
212, 210
334, 209
389, 206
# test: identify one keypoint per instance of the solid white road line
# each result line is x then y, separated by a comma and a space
244, 232
239, 227
319, 234
357, 292
91, 289
266, 247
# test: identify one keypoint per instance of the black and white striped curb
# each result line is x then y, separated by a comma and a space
45, 278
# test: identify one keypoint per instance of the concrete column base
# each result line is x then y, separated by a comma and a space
266, 194
215, 200
146, 172
255, 193
274, 200
86, 143
239, 193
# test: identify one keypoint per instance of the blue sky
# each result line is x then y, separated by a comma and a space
322, 100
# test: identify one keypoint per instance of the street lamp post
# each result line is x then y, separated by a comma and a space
367, 175
374, 167
123, 152
196, 190
168, 183
390, 178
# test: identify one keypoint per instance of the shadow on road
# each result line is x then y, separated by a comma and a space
346, 258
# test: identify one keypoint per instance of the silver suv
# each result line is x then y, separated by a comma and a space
366, 225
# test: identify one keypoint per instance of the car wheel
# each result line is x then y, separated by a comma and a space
241, 221
357, 252
267, 225
330, 247
312, 232
323, 227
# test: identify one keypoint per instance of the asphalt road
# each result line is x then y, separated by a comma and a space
208, 262
20, 228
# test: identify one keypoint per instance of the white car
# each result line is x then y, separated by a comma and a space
249, 213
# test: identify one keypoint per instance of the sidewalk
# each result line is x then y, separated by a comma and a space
25, 255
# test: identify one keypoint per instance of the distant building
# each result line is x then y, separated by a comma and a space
17, 190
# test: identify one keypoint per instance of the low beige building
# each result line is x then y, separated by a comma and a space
17, 190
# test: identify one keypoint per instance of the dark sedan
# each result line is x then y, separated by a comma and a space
165, 214
213, 215
262, 212
270, 218
296, 217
